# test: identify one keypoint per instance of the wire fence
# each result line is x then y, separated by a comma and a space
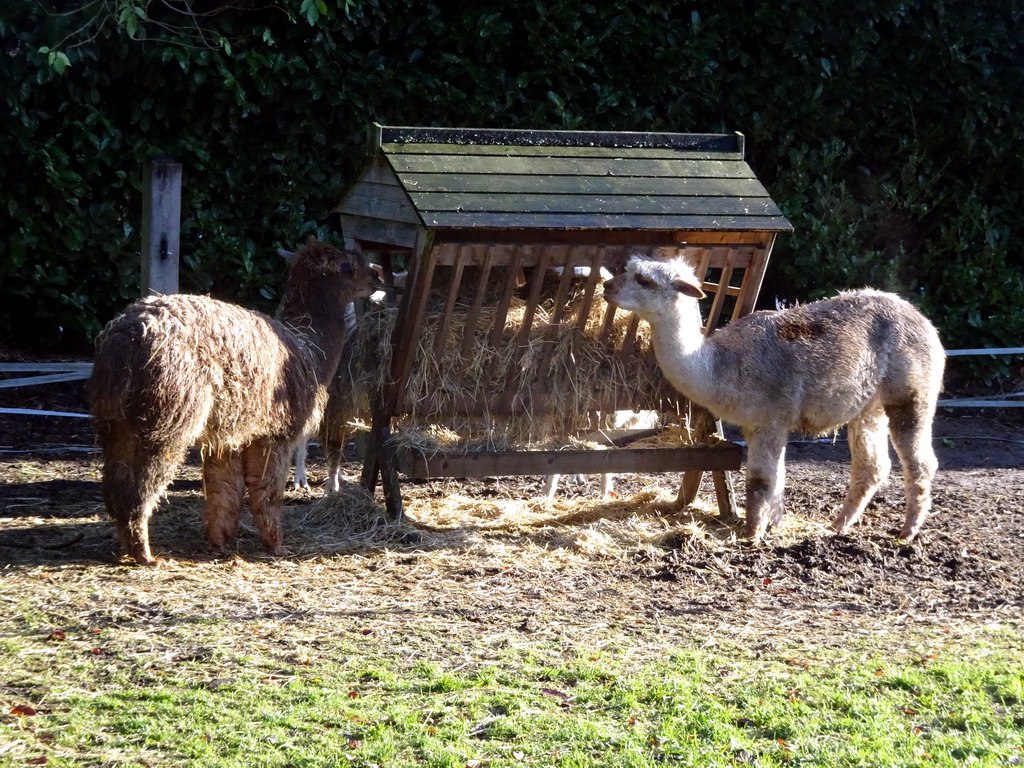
49, 373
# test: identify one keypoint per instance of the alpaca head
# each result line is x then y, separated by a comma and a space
655, 289
322, 276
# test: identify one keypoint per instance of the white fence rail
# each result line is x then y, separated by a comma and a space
49, 373
985, 401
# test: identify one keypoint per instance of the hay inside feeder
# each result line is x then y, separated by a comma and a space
533, 389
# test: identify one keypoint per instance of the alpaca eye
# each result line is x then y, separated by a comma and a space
644, 282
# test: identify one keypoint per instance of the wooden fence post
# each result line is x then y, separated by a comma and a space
161, 225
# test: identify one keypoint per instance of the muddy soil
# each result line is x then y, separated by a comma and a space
969, 561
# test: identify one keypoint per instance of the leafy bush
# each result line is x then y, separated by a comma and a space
890, 132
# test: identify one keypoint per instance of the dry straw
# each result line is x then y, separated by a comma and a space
452, 521
555, 379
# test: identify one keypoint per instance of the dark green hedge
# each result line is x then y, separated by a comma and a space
889, 132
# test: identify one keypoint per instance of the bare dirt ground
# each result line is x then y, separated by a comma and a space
569, 567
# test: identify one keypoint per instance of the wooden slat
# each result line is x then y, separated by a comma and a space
379, 201
724, 455
579, 184
558, 166
744, 300
718, 302
443, 202
723, 238
498, 328
738, 258
526, 329
604, 222
596, 259
604, 337
601, 237
485, 255
629, 153
411, 135
379, 171
379, 232
411, 312
704, 255
441, 340
561, 256
753, 278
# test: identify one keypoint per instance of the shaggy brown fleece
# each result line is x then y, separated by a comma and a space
175, 371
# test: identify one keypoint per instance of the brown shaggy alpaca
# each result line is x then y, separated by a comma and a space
175, 371
346, 402
864, 358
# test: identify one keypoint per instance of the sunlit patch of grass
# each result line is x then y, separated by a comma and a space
693, 706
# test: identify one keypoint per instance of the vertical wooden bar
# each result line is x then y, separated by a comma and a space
161, 225
609, 315
441, 340
498, 328
753, 278
723, 288
473, 318
725, 495
533, 299
596, 261
522, 339
561, 299
380, 460
629, 340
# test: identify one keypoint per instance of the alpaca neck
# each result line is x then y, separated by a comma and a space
324, 330
685, 357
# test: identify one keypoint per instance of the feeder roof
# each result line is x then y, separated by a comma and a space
450, 179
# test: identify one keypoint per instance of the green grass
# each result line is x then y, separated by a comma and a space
104, 699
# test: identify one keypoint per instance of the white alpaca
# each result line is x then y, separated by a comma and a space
864, 358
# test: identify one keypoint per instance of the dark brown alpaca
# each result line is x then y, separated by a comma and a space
181, 370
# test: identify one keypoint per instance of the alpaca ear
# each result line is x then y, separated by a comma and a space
286, 255
688, 289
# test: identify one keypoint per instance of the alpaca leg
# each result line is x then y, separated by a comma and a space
265, 466
911, 432
335, 458
766, 478
135, 476
607, 485
301, 479
550, 486
225, 491
869, 464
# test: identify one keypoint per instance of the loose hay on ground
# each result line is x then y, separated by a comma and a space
439, 525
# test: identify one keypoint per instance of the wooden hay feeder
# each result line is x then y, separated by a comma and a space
503, 234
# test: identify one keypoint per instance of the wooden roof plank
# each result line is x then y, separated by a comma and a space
476, 150
380, 201
434, 203
455, 220
380, 135
704, 186
566, 166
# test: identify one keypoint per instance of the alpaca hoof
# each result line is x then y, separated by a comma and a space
276, 550
142, 556
753, 532
907, 535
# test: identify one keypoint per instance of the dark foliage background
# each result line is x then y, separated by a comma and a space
890, 133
